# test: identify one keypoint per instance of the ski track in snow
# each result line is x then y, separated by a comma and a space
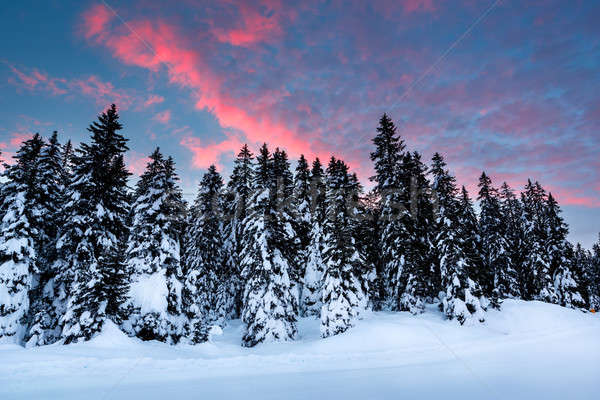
529, 350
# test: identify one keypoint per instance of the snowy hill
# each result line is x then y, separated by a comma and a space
529, 350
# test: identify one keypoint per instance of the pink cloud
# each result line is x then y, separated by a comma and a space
103, 92
187, 68
95, 19
208, 154
136, 162
163, 117
411, 6
36, 79
153, 99
257, 23
18, 138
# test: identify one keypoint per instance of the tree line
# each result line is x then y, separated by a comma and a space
79, 248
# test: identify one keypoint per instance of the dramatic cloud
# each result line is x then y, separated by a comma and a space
516, 96
252, 117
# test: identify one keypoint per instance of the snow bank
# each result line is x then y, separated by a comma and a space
111, 337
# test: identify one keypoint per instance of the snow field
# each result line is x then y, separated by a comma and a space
529, 350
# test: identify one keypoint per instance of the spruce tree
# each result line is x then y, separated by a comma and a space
514, 237
18, 234
236, 201
269, 309
343, 297
421, 275
154, 254
368, 240
536, 272
390, 186
205, 292
461, 299
91, 282
315, 267
472, 240
564, 288
594, 277
495, 277
47, 203
290, 244
302, 219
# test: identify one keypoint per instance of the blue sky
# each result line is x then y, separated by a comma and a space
517, 96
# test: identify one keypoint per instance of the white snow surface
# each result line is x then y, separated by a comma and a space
529, 350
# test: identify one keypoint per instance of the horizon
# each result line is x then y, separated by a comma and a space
198, 82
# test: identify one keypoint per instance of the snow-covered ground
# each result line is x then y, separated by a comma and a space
529, 350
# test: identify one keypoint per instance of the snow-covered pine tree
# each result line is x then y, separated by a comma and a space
368, 240
461, 299
47, 203
495, 274
18, 260
153, 253
205, 290
360, 230
594, 276
315, 267
472, 240
565, 285
536, 272
1, 188
581, 264
177, 210
236, 200
269, 309
514, 237
96, 209
422, 278
290, 243
389, 181
302, 219
343, 297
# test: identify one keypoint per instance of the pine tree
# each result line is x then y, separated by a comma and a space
343, 297
153, 252
269, 311
564, 287
47, 203
236, 199
315, 267
535, 272
302, 221
581, 265
205, 291
421, 282
472, 240
390, 180
594, 277
461, 298
97, 207
18, 259
514, 237
495, 276
368, 240
290, 242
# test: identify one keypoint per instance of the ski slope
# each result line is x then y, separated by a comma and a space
529, 350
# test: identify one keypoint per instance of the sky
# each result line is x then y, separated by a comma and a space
505, 86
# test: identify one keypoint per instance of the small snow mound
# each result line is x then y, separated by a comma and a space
519, 316
150, 292
111, 336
